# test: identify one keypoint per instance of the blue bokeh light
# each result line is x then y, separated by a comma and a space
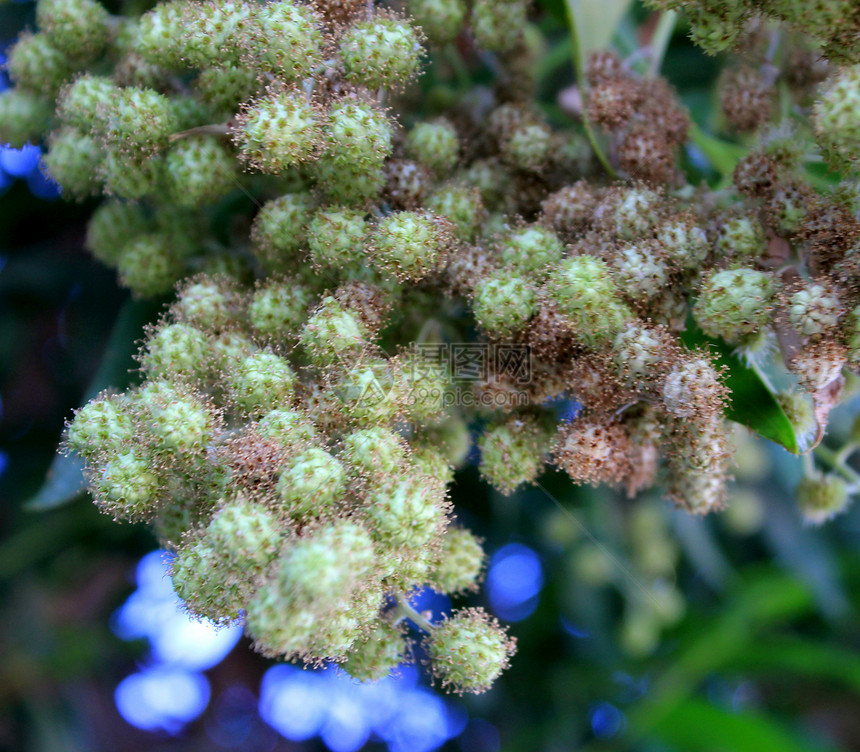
514, 581
606, 720
20, 162
41, 186
162, 698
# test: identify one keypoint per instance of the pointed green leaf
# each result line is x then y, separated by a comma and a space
752, 402
594, 23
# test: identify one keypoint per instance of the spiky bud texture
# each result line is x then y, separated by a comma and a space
821, 498
734, 303
383, 52
512, 453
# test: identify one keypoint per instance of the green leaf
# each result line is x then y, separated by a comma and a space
64, 481
594, 23
752, 402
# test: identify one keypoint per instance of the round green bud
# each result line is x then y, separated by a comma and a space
461, 205
683, 243
441, 20
368, 392
207, 303
836, 116
281, 623
230, 347
200, 580
329, 563
376, 656
103, 426
78, 28
286, 38
311, 483
336, 238
36, 65
408, 511
277, 308
434, 144
72, 161
246, 534
459, 562
357, 135
225, 87
127, 488
642, 273
24, 116
432, 461
355, 185
180, 424
814, 309
383, 52
452, 437
333, 332
423, 383
176, 351
716, 30
200, 170
638, 351
469, 650
376, 453
214, 32
734, 303
531, 248
583, 289
821, 498
148, 266
410, 245
279, 230
111, 226
140, 120
291, 429
504, 304
798, 409
261, 382
131, 176
161, 34
277, 131
512, 453
498, 26
528, 147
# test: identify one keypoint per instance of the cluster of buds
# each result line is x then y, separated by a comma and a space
295, 433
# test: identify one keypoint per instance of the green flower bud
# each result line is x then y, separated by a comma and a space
289, 428
642, 273
716, 30
104, 426
23, 117
200, 580
140, 120
512, 453
357, 135
375, 453
441, 20
162, 34
180, 423
277, 308
127, 488
639, 351
635, 213
286, 38
355, 185
246, 534
148, 266
532, 248
734, 303
311, 483
208, 303
469, 650
504, 304
836, 123
129, 175
383, 52
528, 147
36, 65
111, 226
279, 230
821, 498
461, 205
376, 656
72, 161
336, 238
408, 511
498, 26
78, 28
277, 131
368, 392
434, 144
333, 333
583, 289
214, 32
410, 245
200, 170
225, 87
176, 351
683, 243
814, 309
261, 382
459, 562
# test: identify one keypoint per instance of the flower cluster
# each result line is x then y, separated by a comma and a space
292, 438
